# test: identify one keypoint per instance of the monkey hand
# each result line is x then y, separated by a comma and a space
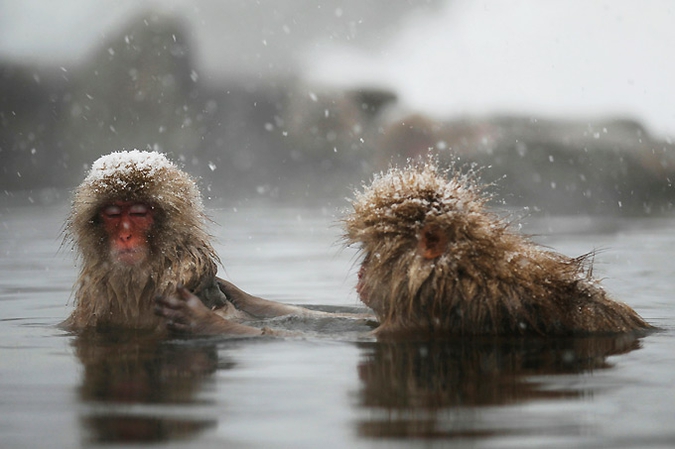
185, 313
234, 294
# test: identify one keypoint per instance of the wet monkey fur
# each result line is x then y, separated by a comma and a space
138, 227
437, 262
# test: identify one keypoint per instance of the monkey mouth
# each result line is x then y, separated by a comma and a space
360, 287
129, 256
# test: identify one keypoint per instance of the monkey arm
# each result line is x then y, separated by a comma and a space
185, 313
263, 308
259, 307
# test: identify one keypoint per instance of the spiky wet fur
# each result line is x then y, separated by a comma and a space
114, 294
489, 279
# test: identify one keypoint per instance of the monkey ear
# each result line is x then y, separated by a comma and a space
431, 242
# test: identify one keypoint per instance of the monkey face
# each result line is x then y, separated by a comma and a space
399, 264
127, 226
361, 288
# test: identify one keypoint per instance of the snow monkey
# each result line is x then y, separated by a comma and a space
138, 226
436, 261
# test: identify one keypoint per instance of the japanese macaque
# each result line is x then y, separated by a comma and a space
436, 261
138, 226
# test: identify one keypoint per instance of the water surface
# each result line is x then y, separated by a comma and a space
336, 387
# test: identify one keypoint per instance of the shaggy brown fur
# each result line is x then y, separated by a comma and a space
437, 261
113, 294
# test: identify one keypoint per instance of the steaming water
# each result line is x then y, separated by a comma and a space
336, 390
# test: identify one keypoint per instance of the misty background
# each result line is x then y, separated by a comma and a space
567, 104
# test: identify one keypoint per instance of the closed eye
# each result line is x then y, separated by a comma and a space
112, 211
138, 210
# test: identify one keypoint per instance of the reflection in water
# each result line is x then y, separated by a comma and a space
420, 388
127, 374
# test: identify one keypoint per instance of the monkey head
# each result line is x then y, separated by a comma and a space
133, 203
418, 229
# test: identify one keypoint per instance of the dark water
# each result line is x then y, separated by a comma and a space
335, 388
